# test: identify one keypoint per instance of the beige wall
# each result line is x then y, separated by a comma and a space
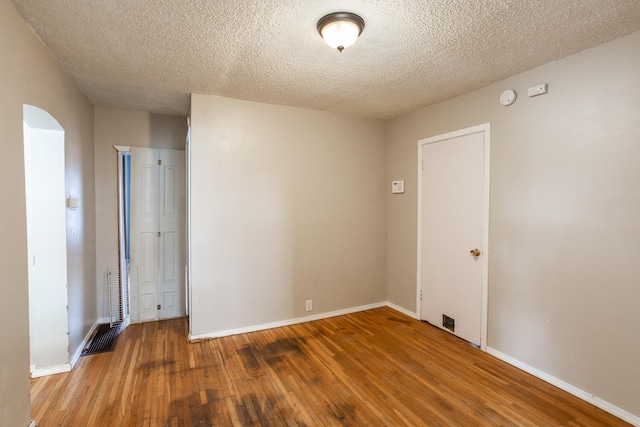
29, 75
287, 205
129, 129
564, 266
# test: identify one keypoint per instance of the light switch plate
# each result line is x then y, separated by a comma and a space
397, 187
536, 90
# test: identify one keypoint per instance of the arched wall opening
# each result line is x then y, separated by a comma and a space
44, 157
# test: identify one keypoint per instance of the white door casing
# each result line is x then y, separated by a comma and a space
157, 233
187, 260
123, 266
453, 221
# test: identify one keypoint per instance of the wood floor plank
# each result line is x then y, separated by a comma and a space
374, 368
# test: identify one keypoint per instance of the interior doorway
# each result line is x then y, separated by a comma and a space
44, 158
152, 220
453, 232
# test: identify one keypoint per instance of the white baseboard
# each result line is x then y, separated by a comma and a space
402, 310
588, 397
85, 342
288, 322
52, 370
32, 424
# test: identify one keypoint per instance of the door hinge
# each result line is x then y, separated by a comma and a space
422, 164
159, 162
158, 234
420, 294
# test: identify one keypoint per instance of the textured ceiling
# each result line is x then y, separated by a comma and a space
149, 55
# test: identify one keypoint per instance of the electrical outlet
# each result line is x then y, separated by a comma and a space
537, 90
309, 305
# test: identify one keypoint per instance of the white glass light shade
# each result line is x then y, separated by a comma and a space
340, 33
340, 29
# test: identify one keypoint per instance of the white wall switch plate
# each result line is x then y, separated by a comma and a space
537, 90
397, 187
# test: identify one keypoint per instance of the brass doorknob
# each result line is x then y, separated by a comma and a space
474, 252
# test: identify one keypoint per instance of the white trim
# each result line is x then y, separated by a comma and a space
485, 237
588, 397
32, 423
122, 149
188, 299
402, 310
85, 342
419, 238
486, 129
288, 322
123, 273
58, 369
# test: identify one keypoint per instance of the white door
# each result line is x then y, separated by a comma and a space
157, 233
145, 179
453, 232
171, 225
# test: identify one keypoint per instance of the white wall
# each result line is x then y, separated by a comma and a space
564, 268
287, 205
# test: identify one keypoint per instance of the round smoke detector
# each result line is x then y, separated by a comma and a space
508, 97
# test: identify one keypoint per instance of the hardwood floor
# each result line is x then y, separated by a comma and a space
374, 368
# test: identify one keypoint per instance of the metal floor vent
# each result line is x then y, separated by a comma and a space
449, 322
104, 339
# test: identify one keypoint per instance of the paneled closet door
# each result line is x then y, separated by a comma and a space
157, 233
171, 224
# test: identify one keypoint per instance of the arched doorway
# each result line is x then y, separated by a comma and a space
47, 242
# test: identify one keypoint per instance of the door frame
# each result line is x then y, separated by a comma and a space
486, 128
187, 252
124, 291
134, 291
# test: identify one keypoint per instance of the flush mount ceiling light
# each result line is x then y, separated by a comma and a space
340, 29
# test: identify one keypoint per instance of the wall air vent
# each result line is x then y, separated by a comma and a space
448, 322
